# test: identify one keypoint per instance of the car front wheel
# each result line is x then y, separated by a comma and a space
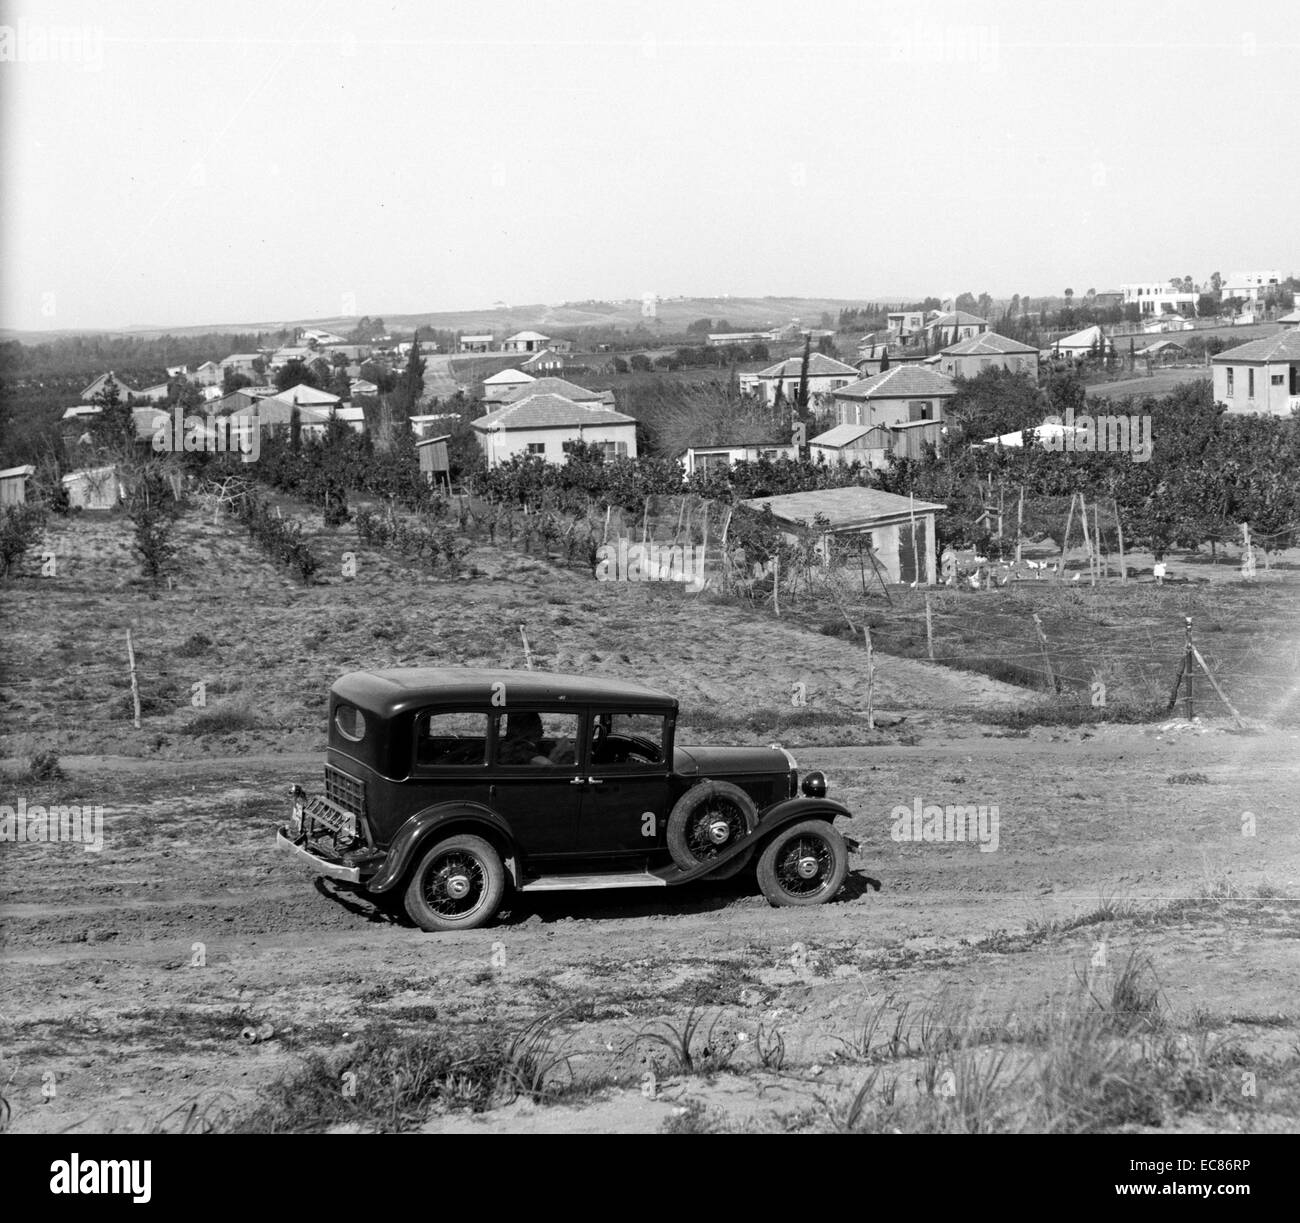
456, 885
804, 864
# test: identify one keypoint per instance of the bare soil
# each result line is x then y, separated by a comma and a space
189, 966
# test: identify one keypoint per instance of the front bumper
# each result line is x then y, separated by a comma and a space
319, 863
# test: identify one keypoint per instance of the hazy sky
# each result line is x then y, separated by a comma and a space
192, 162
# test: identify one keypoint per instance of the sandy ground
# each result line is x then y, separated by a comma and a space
128, 975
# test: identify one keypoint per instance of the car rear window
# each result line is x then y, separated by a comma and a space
451, 740
350, 722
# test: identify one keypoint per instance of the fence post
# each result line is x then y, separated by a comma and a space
871, 678
1187, 662
1087, 540
1047, 659
1065, 539
135, 687
1236, 717
916, 564
1096, 524
1119, 531
929, 630
1020, 518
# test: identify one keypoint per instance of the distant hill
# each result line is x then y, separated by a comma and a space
673, 314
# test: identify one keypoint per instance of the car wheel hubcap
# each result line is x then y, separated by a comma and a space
807, 868
458, 887
719, 833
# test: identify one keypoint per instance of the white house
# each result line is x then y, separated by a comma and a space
721, 458
901, 393
1261, 377
314, 408
501, 384
526, 341
898, 531
1250, 286
1089, 342
825, 375
93, 488
906, 323
953, 327
100, 384
1158, 297
869, 445
476, 343
988, 350
562, 387
315, 336
13, 484
541, 424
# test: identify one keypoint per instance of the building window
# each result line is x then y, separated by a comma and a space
1250, 384
1231, 380
1276, 379
536, 447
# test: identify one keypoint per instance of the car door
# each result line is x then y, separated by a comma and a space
625, 795
536, 785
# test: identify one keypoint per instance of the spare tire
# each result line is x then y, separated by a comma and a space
708, 819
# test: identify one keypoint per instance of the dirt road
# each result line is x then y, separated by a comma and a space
130, 974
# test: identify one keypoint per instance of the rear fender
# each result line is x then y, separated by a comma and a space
433, 823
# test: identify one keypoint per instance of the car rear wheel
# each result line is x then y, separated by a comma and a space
803, 865
707, 820
456, 885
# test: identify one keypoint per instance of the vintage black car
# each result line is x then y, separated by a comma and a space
442, 786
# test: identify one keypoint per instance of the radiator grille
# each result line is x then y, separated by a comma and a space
345, 791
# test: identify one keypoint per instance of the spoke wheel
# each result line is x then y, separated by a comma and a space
803, 865
456, 885
708, 820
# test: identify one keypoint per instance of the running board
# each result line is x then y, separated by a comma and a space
592, 883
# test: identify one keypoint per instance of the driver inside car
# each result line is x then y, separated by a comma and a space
523, 743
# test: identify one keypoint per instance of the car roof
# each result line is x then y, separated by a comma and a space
398, 689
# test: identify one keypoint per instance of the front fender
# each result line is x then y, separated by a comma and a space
412, 835
781, 815
792, 810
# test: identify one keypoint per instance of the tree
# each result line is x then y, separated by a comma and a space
801, 403
296, 373
701, 326
1207, 305
884, 359
1216, 283
115, 428
1069, 297
410, 387
152, 510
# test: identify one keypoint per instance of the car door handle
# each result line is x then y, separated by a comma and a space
578, 781
594, 781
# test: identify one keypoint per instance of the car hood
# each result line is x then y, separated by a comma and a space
724, 761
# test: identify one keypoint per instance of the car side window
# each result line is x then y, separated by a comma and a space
451, 740
628, 740
539, 740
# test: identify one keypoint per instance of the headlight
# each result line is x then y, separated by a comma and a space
814, 785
